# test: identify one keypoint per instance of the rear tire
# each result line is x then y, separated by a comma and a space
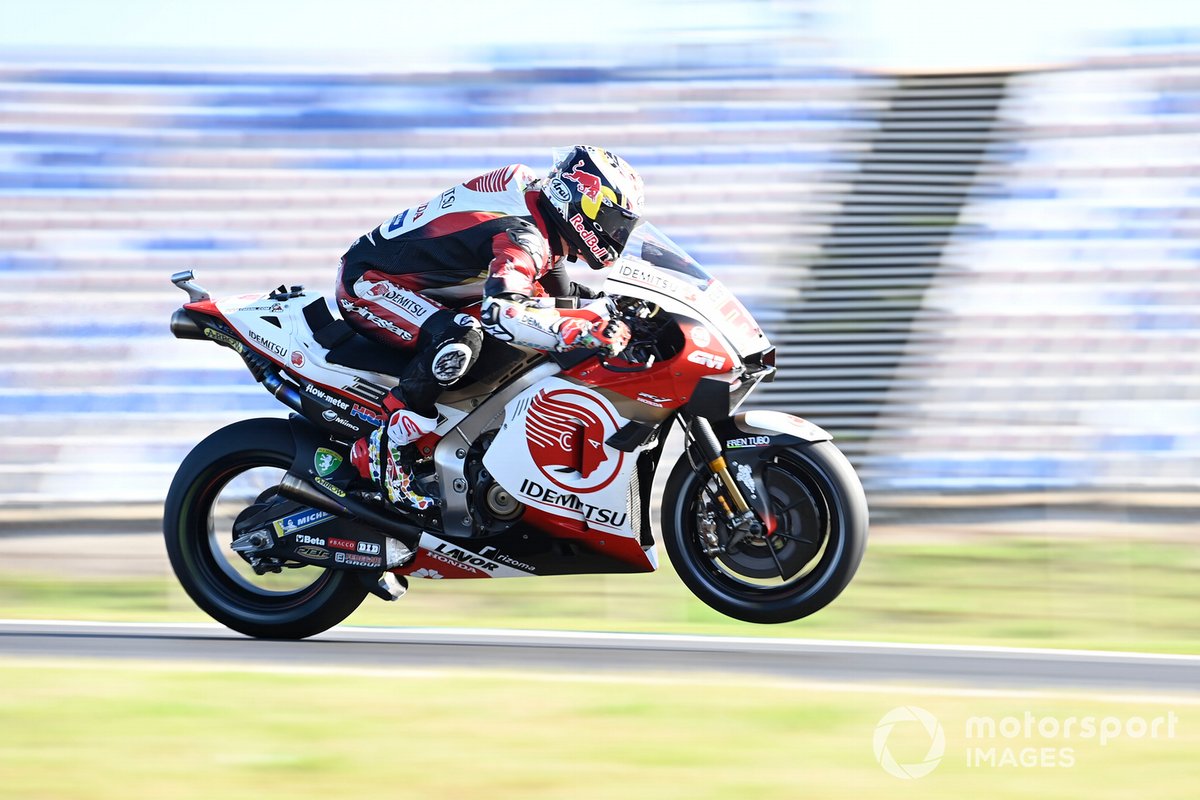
818, 500
189, 517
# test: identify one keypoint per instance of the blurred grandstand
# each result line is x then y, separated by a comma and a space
979, 282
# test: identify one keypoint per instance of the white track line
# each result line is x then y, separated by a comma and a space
516, 637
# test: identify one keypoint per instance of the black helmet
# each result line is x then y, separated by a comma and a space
594, 200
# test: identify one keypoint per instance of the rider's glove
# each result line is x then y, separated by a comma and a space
608, 336
594, 328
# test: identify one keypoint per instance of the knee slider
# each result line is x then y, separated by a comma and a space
457, 352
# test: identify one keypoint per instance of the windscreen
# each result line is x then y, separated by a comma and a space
656, 248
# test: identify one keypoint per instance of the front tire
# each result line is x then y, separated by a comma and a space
249, 457
818, 540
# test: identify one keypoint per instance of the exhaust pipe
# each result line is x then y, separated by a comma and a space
184, 327
294, 487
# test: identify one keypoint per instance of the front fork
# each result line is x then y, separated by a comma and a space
739, 516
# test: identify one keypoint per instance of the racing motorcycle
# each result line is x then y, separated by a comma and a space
542, 462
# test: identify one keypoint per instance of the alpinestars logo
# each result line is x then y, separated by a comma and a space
566, 430
379, 321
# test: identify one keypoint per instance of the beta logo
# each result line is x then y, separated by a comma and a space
566, 430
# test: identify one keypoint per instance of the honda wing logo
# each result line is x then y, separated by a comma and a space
566, 430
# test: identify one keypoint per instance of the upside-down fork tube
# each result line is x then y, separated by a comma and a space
713, 454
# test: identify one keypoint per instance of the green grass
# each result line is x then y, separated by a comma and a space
1135, 595
105, 732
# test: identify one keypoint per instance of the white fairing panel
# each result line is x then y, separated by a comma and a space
291, 344
713, 304
551, 454
770, 423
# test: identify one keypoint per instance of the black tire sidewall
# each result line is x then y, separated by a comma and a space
196, 483
844, 492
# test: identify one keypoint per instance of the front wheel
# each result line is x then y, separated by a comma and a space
236, 467
815, 536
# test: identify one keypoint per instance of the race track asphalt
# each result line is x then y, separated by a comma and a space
590, 653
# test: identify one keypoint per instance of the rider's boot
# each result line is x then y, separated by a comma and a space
387, 455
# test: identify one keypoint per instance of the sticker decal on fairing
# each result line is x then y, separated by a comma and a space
551, 453
460, 557
326, 461
299, 521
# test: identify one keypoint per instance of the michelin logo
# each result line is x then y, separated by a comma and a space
300, 521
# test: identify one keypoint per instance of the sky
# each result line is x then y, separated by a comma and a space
884, 34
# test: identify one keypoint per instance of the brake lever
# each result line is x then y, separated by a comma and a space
612, 368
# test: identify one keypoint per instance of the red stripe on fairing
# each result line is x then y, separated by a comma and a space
494, 181
440, 565
622, 548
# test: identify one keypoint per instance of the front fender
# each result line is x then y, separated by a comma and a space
767, 429
752, 438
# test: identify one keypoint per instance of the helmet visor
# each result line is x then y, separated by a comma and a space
614, 225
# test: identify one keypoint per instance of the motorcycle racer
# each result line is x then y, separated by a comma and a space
501, 237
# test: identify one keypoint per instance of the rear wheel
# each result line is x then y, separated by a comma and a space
816, 536
236, 467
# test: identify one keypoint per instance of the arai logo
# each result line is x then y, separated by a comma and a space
560, 190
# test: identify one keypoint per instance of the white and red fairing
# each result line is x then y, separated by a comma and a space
550, 451
290, 343
550, 454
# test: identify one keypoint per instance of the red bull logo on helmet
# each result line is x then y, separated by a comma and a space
589, 184
566, 431
590, 239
